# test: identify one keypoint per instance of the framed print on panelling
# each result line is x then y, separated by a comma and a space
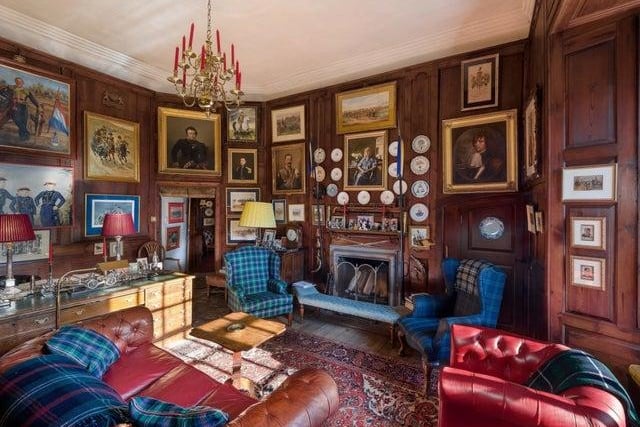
37, 109
480, 82
364, 109
242, 124
288, 169
365, 161
45, 193
589, 183
237, 197
30, 250
287, 124
242, 165
96, 206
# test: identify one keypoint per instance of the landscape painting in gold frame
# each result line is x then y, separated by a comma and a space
480, 153
369, 108
177, 154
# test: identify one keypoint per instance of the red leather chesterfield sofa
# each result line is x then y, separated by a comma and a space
306, 398
482, 387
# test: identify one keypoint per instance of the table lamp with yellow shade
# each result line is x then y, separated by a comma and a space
258, 215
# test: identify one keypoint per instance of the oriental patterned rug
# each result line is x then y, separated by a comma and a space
374, 391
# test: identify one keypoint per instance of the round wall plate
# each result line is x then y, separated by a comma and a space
386, 197
420, 165
491, 228
364, 197
319, 155
419, 212
336, 154
208, 212
396, 187
319, 174
393, 170
393, 148
332, 190
420, 188
421, 144
336, 174
343, 198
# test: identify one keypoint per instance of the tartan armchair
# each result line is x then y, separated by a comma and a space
473, 296
254, 285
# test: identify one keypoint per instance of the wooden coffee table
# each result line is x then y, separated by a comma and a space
239, 332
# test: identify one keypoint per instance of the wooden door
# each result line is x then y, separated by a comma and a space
491, 228
201, 253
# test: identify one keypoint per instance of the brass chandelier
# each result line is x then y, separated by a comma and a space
201, 79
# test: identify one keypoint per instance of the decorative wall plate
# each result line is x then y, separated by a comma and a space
209, 203
386, 197
420, 188
336, 154
396, 187
393, 169
332, 190
419, 212
420, 165
336, 174
343, 198
319, 174
364, 197
208, 212
421, 144
491, 228
393, 148
319, 155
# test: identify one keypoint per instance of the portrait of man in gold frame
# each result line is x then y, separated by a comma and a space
288, 169
364, 109
188, 142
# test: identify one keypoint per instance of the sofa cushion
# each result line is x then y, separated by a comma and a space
150, 412
87, 347
53, 390
134, 371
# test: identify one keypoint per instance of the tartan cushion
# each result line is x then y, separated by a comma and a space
466, 285
150, 412
86, 347
53, 390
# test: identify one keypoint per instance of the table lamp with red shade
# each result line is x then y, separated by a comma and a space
118, 225
14, 228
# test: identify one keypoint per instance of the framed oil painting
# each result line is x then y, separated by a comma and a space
287, 124
188, 142
480, 153
237, 197
364, 109
111, 149
532, 136
280, 210
36, 109
96, 206
588, 272
588, 232
237, 234
241, 165
589, 183
31, 250
242, 124
365, 161
420, 236
176, 212
173, 238
44, 193
479, 84
288, 169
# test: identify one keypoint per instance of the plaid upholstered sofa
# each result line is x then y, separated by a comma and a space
473, 296
306, 398
254, 285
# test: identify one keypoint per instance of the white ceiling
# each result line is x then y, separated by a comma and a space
284, 46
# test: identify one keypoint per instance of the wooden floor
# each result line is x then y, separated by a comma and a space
373, 337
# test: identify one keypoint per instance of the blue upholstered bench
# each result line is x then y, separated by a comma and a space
379, 312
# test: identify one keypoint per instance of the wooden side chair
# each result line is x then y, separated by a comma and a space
152, 246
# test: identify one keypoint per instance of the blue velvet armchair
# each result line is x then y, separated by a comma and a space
254, 285
473, 296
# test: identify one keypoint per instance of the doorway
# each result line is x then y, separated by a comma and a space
201, 235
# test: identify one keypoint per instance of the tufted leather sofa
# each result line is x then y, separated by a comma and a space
306, 398
482, 387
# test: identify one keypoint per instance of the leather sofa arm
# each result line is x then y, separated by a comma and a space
25, 351
305, 399
472, 396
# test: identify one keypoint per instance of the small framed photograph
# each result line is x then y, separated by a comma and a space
588, 232
176, 212
479, 84
237, 197
531, 219
539, 222
143, 264
242, 124
588, 272
173, 238
98, 248
269, 236
365, 222
317, 214
337, 222
420, 236
241, 165
237, 234
589, 183
287, 124
280, 210
296, 212
208, 222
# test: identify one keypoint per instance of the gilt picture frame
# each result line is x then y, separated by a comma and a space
532, 136
242, 124
589, 183
288, 169
237, 197
237, 234
369, 108
242, 166
588, 272
479, 82
365, 161
588, 232
288, 124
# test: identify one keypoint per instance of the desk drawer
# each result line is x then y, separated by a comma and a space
164, 296
98, 308
170, 321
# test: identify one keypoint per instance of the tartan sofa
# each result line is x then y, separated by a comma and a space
254, 285
306, 398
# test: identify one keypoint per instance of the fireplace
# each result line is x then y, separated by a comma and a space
366, 273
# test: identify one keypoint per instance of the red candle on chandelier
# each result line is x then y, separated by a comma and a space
191, 35
175, 62
218, 40
184, 42
233, 53
203, 59
224, 61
